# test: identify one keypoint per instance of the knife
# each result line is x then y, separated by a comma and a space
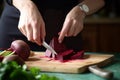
49, 48
101, 72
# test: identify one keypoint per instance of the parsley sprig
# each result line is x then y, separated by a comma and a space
12, 71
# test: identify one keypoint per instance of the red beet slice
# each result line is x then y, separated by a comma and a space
63, 53
58, 47
78, 55
69, 55
48, 53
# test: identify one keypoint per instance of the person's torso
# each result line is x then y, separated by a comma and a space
44, 4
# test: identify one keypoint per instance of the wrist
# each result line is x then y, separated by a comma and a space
84, 8
22, 4
81, 12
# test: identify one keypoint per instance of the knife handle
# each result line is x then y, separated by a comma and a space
100, 72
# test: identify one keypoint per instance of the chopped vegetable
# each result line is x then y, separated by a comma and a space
63, 52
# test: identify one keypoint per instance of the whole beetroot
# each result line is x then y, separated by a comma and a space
20, 48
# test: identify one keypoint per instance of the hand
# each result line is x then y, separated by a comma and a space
31, 23
73, 23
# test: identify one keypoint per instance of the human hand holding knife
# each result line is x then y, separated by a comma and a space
49, 48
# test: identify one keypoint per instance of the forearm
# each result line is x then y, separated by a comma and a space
23, 4
93, 5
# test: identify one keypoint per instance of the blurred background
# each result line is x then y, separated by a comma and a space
102, 29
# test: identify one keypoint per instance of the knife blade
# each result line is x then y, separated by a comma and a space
49, 48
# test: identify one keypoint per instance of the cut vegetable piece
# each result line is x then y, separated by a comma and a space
48, 53
78, 55
69, 55
63, 53
58, 47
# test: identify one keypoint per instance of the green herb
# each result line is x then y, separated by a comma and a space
12, 71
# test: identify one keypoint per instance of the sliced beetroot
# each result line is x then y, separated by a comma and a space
63, 53
78, 55
58, 47
69, 55
48, 53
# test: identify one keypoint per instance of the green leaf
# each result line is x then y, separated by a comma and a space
12, 71
44, 77
19, 74
35, 71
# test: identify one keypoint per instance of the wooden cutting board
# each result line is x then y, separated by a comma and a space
73, 66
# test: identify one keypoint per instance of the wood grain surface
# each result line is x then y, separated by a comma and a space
73, 66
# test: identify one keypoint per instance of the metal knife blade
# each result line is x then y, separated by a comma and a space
49, 48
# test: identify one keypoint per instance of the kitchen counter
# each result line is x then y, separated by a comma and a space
114, 67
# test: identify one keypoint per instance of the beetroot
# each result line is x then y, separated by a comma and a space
58, 47
69, 55
20, 48
48, 53
1, 58
78, 55
16, 58
63, 53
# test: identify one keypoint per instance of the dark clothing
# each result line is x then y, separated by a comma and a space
53, 13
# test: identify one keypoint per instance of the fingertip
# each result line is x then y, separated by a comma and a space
30, 39
39, 43
59, 33
60, 40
